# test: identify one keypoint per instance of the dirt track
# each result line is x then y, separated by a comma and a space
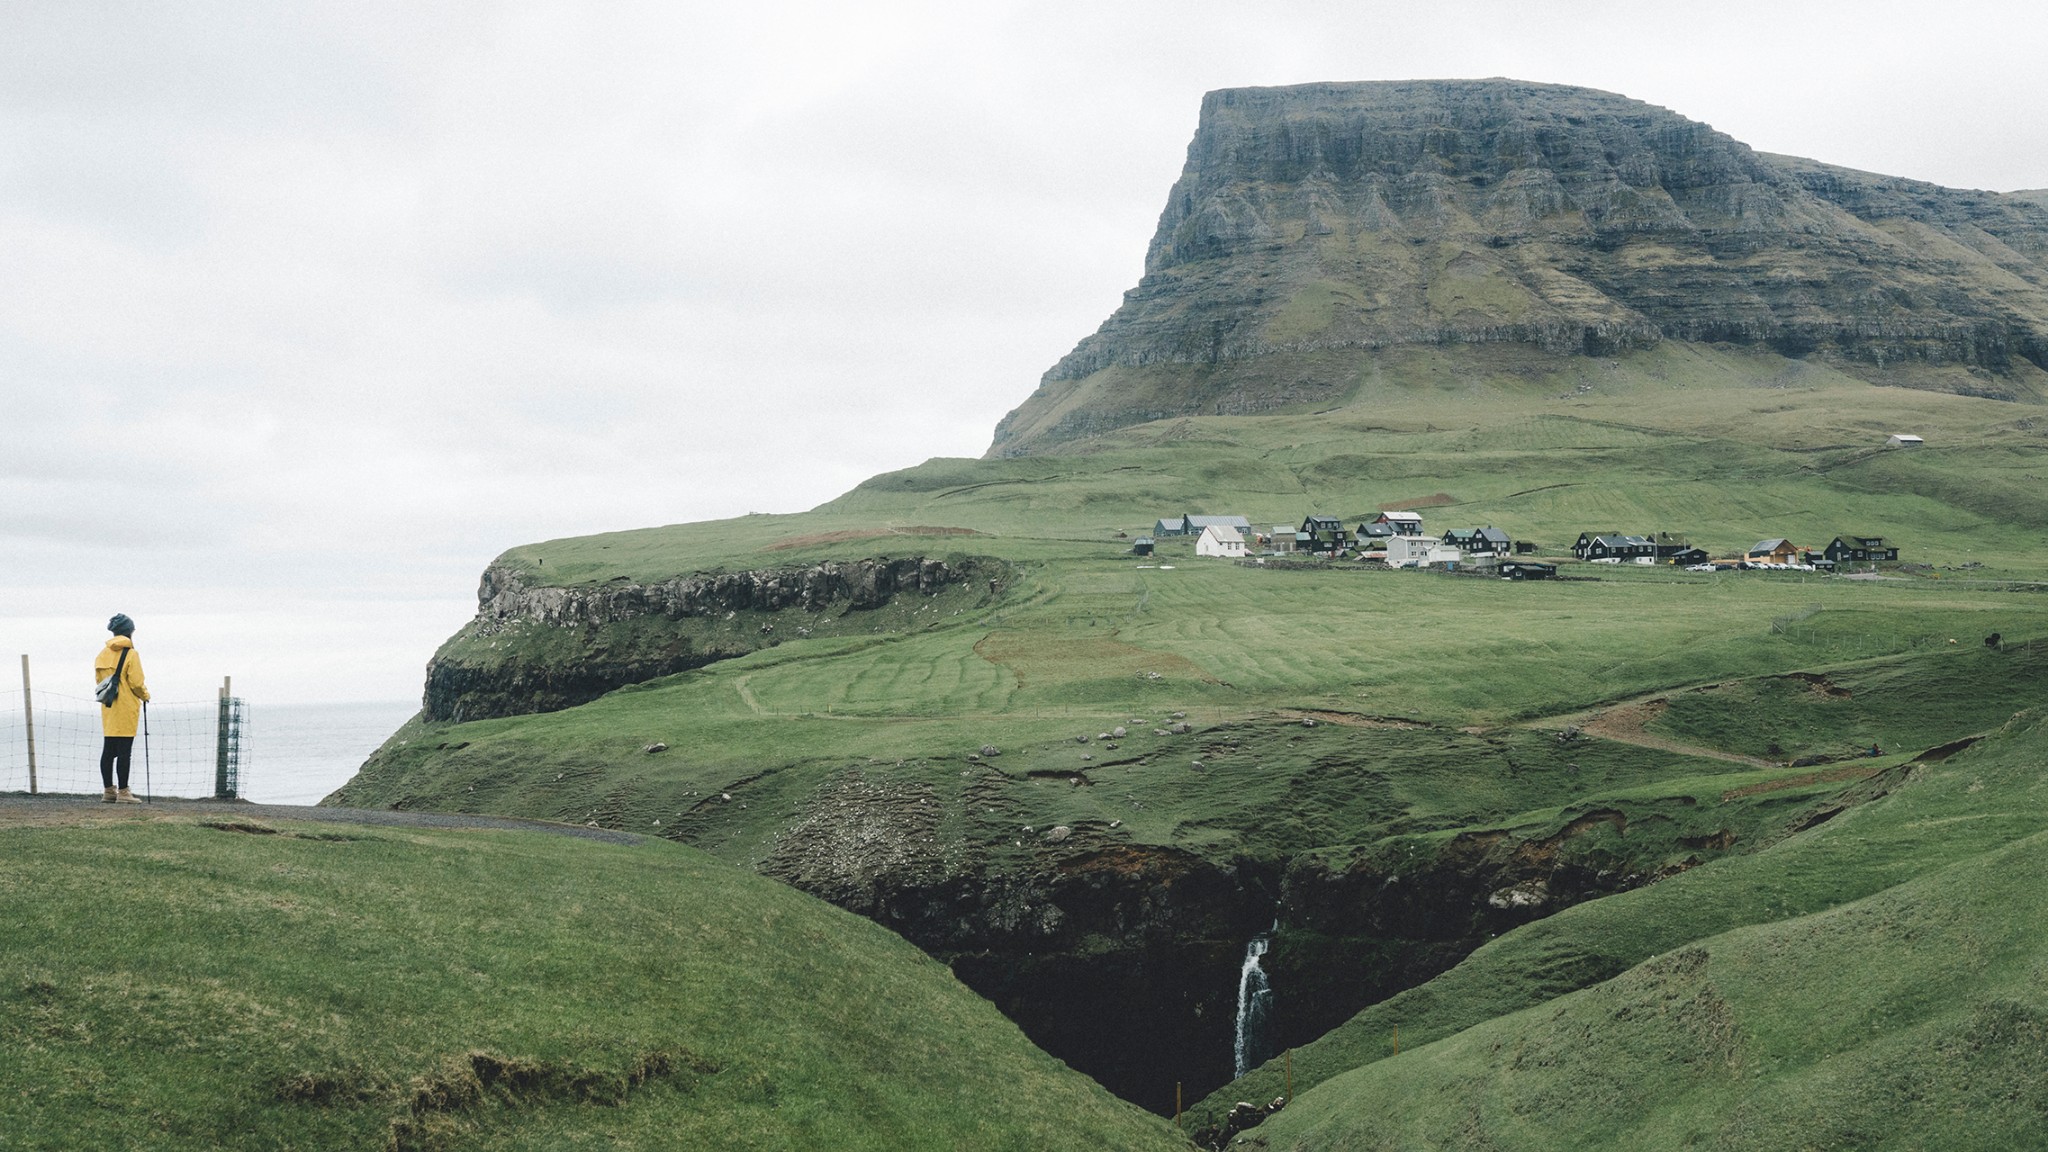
18, 807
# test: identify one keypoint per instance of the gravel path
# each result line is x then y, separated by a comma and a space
19, 804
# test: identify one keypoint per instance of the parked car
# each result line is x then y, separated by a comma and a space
1701, 568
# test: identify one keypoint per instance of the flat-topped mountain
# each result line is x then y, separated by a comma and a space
1318, 230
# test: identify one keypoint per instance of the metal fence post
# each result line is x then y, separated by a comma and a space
220, 743
28, 717
227, 743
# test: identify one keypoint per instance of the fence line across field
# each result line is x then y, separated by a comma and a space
50, 743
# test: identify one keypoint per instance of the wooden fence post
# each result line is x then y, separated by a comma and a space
28, 717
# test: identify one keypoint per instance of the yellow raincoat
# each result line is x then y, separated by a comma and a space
123, 718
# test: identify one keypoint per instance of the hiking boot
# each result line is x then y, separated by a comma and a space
108, 798
124, 796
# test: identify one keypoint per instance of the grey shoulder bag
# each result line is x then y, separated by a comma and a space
109, 690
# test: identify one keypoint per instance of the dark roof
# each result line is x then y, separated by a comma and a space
1617, 540
1864, 541
1320, 522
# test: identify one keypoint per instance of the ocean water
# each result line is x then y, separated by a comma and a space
298, 753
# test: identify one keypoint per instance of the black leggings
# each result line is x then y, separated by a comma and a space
116, 753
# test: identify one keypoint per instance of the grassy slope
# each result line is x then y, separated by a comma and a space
1877, 985
1728, 447
170, 985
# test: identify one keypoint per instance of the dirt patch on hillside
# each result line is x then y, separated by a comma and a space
1821, 685
845, 534
1629, 723
1827, 776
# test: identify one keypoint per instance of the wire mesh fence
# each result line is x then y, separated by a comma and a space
192, 749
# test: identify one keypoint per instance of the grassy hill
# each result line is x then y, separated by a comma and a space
1871, 983
1295, 737
179, 982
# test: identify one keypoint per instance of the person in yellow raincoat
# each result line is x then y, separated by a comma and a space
118, 719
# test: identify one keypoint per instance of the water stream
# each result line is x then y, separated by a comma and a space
1254, 1001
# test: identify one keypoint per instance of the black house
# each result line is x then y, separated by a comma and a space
1487, 541
1686, 556
1861, 549
1324, 534
1613, 546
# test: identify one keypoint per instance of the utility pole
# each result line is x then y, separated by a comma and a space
28, 717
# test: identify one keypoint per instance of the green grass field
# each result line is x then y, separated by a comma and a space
174, 985
1436, 704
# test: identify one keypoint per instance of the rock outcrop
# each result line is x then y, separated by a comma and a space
1318, 224
540, 648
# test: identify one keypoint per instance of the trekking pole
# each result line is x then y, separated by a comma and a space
148, 796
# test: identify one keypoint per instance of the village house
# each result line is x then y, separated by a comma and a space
1774, 551
1220, 540
1400, 523
1282, 539
1187, 525
1667, 544
1419, 551
1487, 541
1323, 534
1686, 557
1861, 550
1614, 546
1375, 530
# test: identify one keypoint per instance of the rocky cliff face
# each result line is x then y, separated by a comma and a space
540, 648
1313, 225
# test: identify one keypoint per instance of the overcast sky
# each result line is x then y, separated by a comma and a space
309, 310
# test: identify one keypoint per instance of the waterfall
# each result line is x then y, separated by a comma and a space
1254, 999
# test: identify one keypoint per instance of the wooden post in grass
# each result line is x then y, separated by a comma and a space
1176, 1103
1397, 1039
28, 721
1289, 1094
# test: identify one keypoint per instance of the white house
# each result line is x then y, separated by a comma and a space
1419, 551
1220, 540
1904, 440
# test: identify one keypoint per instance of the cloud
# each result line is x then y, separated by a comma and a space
329, 303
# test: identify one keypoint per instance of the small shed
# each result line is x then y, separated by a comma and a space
1282, 539
1142, 546
1220, 540
1904, 440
